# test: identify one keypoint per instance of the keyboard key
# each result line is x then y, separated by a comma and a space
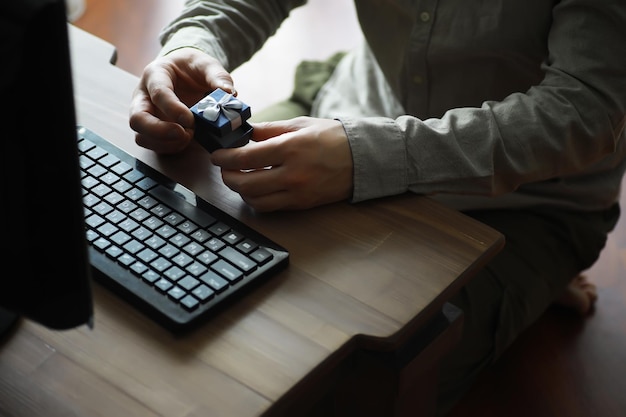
176, 293
114, 252
139, 268
247, 246
214, 244
174, 273
190, 302
203, 293
214, 281
238, 259
227, 270
188, 283
261, 256
163, 285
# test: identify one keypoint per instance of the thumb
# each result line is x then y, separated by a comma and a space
228, 86
267, 130
214, 74
224, 81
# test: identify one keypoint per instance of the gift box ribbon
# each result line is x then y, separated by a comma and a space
227, 105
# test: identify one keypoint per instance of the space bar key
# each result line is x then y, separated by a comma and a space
178, 203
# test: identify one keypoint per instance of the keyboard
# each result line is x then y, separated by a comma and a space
166, 251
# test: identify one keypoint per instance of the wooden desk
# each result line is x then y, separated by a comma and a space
357, 312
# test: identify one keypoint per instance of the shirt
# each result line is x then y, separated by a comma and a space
479, 104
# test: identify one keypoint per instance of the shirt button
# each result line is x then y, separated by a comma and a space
417, 79
424, 16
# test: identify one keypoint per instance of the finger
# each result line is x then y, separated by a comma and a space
170, 143
215, 75
154, 133
254, 183
143, 114
265, 190
161, 93
261, 153
280, 200
266, 130
254, 156
258, 198
225, 82
260, 189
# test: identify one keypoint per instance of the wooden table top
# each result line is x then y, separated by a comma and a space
360, 275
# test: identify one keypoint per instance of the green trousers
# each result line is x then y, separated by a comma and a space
545, 249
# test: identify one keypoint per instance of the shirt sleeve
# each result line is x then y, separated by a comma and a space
570, 124
230, 30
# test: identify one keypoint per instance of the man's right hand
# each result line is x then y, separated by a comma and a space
169, 85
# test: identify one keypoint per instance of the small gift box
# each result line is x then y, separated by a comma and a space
221, 121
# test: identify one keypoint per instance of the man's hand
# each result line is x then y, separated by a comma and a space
169, 85
292, 164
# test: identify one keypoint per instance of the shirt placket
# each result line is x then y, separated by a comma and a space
416, 76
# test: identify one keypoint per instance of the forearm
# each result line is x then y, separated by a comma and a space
230, 30
570, 123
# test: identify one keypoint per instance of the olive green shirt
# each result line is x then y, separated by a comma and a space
494, 103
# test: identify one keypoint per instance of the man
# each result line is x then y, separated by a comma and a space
512, 111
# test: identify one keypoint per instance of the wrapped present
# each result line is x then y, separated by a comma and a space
221, 121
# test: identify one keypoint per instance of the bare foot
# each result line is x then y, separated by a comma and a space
580, 295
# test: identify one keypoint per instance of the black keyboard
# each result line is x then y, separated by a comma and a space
169, 253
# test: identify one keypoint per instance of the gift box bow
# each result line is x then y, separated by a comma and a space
228, 105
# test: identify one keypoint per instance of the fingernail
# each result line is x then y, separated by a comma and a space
229, 87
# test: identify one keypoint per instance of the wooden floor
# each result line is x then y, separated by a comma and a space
563, 366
